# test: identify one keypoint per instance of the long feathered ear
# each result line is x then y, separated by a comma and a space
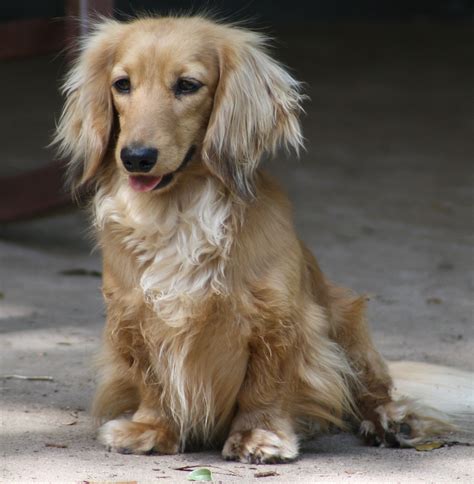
256, 109
85, 124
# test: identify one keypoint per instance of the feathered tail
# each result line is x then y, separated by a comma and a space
447, 394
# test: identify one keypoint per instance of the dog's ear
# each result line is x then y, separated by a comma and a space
85, 124
256, 109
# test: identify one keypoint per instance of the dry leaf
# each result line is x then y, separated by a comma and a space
56, 446
72, 422
107, 482
266, 474
434, 300
429, 446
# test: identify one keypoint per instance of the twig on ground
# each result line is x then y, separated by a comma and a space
24, 377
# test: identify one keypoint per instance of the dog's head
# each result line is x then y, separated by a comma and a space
161, 93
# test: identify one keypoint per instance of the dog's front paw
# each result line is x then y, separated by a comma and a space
128, 437
260, 446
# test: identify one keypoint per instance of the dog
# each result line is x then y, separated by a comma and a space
221, 329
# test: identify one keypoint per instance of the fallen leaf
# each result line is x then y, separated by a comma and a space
226, 472
266, 474
442, 207
200, 475
72, 422
434, 300
429, 446
367, 230
445, 266
451, 338
56, 446
108, 482
80, 272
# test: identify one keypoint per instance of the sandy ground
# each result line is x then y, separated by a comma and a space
384, 198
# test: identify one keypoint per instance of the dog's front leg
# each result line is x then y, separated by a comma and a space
147, 432
262, 432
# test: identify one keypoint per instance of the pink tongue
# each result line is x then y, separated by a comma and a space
144, 183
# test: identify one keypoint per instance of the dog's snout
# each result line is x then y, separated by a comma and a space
139, 159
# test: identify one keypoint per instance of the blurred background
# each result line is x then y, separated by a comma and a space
383, 194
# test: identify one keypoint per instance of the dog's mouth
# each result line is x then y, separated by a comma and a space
143, 183
147, 183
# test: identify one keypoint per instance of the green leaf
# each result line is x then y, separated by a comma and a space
429, 446
200, 475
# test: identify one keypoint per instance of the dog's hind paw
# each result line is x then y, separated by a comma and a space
260, 446
404, 423
128, 437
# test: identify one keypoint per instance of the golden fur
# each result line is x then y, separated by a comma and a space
221, 328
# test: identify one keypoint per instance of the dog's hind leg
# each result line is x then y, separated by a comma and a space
372, 384
383, 420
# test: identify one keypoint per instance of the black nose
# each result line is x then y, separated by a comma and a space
138, 159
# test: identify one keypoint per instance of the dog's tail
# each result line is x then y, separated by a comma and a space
450, 391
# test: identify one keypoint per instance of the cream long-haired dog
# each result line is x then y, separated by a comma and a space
221, 328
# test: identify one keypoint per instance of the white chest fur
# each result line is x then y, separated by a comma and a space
180, 243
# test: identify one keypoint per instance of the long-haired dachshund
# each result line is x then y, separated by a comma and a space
221, 328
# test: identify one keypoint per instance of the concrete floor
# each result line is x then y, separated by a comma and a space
383, 196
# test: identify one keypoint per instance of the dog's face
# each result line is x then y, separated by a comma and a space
162, 86
163, 93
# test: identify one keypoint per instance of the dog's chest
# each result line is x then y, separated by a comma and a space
177, 249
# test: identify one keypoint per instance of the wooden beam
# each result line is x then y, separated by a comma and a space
33, 193
41, 191
37, 36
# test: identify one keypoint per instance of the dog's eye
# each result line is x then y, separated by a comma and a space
122, 85
187, 86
